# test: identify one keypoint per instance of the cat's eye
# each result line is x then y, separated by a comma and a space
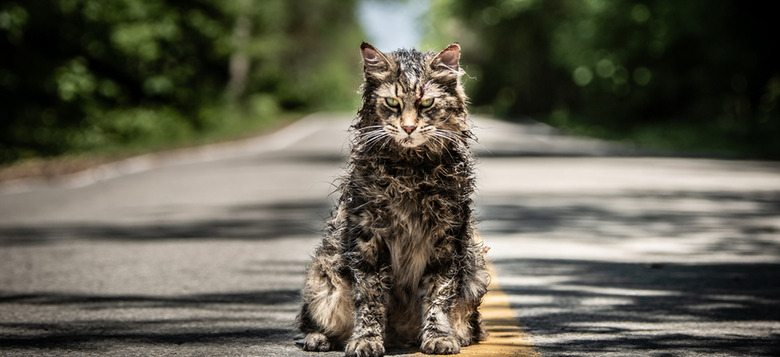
392, 102
426, 103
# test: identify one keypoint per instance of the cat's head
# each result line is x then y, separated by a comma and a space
412, 99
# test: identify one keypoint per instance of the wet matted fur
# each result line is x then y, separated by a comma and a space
399, 263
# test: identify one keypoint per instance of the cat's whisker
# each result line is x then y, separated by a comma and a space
450, 133
375, 142
374, 131
372, 138
370, 143
368, 129
373, 134
440, 141
370, 126
442, 135
445, 136
384, 144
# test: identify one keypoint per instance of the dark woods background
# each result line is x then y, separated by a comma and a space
701, 76
85, 76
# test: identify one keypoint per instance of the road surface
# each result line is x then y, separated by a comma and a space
600, 251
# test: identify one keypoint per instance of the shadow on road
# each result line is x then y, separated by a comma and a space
236, 322
243, 222
736, 223
107, 332
641, 273
606, 307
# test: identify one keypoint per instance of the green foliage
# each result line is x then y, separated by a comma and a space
697, 75
86, 75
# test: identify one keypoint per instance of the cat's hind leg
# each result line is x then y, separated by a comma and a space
327, 315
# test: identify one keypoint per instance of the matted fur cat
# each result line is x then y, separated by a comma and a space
399, 263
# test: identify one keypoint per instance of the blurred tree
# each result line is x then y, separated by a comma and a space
77, 75
698, 75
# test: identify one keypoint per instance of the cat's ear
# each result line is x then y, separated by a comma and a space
374, 62
447, 59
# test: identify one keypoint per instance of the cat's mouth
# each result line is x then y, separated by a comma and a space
410, 142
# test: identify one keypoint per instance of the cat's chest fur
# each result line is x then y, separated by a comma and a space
410, 247
412, 202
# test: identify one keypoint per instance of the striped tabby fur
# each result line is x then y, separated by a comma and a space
399, 263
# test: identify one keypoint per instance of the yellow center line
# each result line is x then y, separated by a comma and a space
505, 338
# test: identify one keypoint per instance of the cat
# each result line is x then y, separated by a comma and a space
400, 263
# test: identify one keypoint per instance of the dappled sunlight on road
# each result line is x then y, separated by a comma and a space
615, 307
617, 256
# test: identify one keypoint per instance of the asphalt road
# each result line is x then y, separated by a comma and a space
602, 251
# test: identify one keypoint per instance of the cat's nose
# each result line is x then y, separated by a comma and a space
409, 129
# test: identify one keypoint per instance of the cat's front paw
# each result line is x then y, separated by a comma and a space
316, 341
441, 345
365, 347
